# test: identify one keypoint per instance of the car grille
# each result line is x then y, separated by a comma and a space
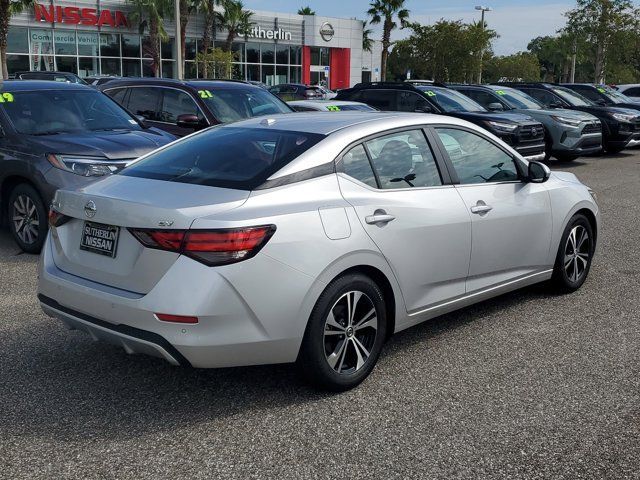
592, 127
531, 132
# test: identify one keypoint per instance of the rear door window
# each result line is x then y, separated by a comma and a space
118, 95
145, 101
355, 163
176, 103
543, 96
385, 100
228, 157
411, 102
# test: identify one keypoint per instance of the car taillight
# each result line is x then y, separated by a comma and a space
211, 247
56, 218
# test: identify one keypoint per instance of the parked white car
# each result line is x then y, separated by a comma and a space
329, 106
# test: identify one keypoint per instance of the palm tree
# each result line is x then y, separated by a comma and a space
367, 41
149, 14
306, 11
187, 7
235, 20
385, 11
7, 9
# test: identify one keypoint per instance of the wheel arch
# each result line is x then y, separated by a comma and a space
6, 187
592, 220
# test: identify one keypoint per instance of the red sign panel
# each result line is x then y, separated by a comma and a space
80, 16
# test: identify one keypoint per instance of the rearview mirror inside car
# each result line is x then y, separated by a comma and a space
189, 120
538, 172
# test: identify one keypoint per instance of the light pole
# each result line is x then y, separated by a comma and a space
483, 9
178, 42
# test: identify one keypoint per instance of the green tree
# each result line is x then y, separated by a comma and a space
521, 66
601, 24
187, 7
217, 62
236, 20
210, 29
7, 9
386, 12
306, 11
150, 14
367, 41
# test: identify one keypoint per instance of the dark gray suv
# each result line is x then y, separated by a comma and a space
55, 135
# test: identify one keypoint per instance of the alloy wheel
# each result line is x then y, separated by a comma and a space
26, 221
350, 332
577, 252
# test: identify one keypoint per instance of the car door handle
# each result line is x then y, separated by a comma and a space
481, 208
379, 218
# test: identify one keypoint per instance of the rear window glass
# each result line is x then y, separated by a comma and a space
228, 157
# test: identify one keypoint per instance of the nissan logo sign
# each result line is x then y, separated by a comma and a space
327, 32
90, 209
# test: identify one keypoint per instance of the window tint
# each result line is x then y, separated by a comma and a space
384, 100
404, 160
356, 164
483, 98
117, 94
588, 92
543, 96
241, 158
231, 105
632, 92
175, 103
412, 102
475, 159
145, 101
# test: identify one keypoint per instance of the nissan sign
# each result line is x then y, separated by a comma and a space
80, 16
327, 32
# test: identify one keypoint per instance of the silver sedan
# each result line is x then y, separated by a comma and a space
299, 238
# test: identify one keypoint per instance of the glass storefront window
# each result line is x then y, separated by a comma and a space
65, 42
268, 55
167, 49
319, 56
295, 74
190, 49
18, 40
146, 47
281, 74
131, 68
17, 63
131, 45
238, 50
67, 64
253, 52
109, 45
282, 54
88, 43
110, 66
41, 41
268, 75
253, 73
168, 69
296, 55
147, 68
190, 70
237, 72
88, 66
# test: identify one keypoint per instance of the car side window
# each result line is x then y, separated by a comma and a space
384, 100
404, 160
588, 92
145, 101
632, 92
544, 97
412, 102
483, 98
176, 103
475, 159
355, 163
118, 95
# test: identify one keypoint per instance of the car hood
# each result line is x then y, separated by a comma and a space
630, 105
492, 116
562, 112
597, 109
566, 177
114, 145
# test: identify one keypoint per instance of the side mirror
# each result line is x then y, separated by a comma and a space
601, 102
142, 120
538, 172
495, 107
555, 105
189, 120
423, 109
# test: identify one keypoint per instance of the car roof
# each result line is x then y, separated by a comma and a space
28, 85
315, 103
169, 82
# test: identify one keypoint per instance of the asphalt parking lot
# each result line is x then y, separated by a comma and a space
528, 385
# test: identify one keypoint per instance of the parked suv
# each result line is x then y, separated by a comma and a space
569, 133
630, 90
620, 126
55, 135
520, 131
182, 107
297, 91
67, 77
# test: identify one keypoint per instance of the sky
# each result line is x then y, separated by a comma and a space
516, 21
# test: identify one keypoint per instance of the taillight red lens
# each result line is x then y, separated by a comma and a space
56, 218
211, 247
164, 317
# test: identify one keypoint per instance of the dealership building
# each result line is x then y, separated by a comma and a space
99, 38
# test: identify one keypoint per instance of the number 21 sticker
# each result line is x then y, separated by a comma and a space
6, 97
205, 94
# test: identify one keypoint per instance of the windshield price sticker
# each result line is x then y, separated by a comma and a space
205, 94
501, 92
601, 90
431, 93
333, 108
6, 97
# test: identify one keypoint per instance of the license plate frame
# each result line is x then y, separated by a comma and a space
100, 238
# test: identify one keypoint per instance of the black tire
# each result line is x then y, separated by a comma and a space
321, 341
566, 278
614, 148
24, 201
565, 157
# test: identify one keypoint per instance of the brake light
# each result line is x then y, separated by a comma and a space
211, 247
165, 317
56, 218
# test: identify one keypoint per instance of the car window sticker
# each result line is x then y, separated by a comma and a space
6, 97
205, 94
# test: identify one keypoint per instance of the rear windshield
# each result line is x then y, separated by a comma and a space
235, 104
228, 157
51, 112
